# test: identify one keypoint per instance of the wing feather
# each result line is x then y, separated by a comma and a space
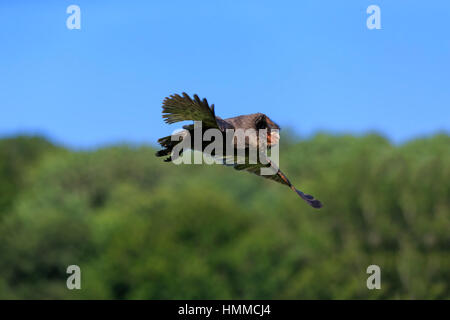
280, 178
178, 108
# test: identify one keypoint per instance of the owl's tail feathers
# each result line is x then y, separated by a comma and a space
167, 144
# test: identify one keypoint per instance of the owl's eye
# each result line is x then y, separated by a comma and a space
261, 124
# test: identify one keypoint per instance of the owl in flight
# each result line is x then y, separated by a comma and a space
178, 108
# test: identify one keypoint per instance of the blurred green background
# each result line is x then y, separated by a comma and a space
143, 229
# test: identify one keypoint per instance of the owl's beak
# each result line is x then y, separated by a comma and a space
273, 138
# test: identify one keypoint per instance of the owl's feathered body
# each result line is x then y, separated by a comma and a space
178, 108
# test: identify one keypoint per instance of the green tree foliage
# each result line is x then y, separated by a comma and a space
143, 229
17, 155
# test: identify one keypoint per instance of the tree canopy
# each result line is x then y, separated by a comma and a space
143, 229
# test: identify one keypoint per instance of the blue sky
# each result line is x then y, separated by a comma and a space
310, 65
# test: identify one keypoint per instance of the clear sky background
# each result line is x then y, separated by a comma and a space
309, 65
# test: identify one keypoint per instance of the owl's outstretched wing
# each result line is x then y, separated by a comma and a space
178, 108
280, 178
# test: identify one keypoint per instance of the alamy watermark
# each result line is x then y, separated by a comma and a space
229, 147
374, 20
374, 280
74, 20
74, 280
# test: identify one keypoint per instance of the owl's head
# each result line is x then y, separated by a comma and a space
264, 122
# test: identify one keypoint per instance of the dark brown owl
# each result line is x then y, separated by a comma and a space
178, 108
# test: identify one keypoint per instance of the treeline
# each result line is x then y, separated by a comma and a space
143, 229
